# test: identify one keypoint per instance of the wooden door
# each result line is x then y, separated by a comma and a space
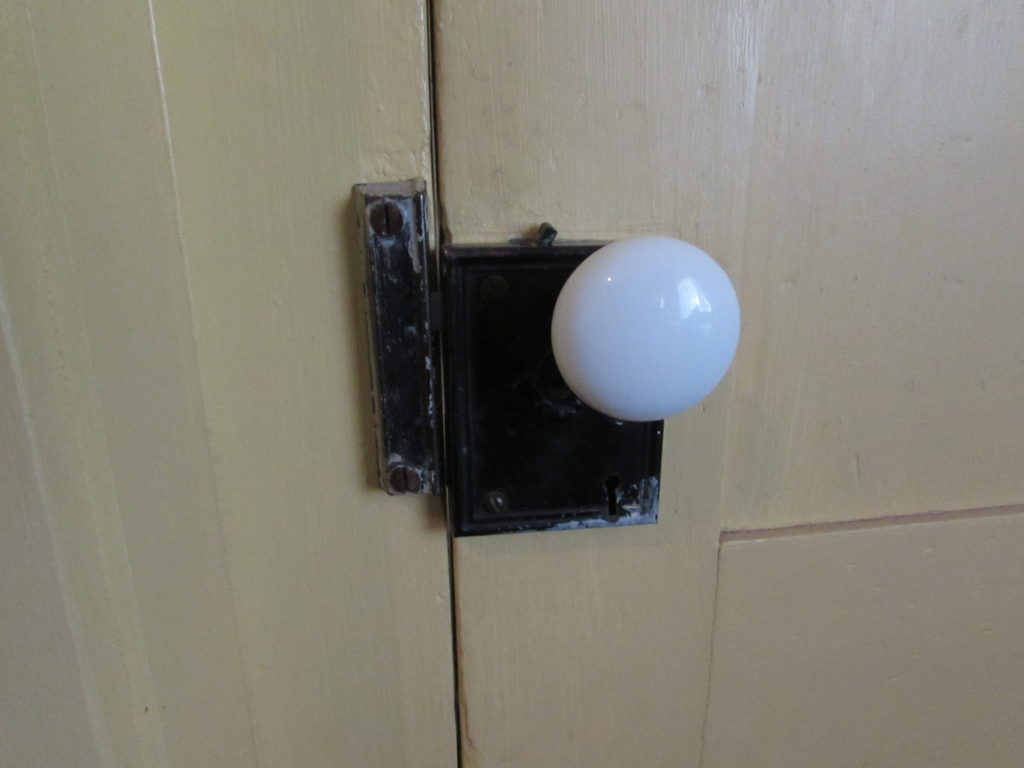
856, 168
196, 569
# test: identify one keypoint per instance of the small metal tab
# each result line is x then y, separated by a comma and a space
393, 233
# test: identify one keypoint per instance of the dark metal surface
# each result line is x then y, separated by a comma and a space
393, 231
523, 452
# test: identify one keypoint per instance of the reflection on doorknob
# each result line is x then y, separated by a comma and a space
645, 327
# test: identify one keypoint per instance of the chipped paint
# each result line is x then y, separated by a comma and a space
633, 518
642, 509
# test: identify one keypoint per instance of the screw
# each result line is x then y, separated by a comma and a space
386, 218
496, 503
493, 289
546, 235
558, 391
403, 479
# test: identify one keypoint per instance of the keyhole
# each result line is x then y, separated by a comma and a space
611, 485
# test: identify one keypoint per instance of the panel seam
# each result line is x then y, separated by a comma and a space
441, 237
711, 656
861, 524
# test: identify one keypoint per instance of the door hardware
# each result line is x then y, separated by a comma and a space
644, 329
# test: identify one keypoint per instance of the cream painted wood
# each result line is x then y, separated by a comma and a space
883, 366
275, 110
892, 645
855, 167
212, 576
39, 670
95, 293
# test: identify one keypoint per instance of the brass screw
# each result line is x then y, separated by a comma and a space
496, 503
386, 218
403, 479
493, 289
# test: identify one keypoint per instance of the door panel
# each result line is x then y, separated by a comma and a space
855, 168
591, 649
871, 645
883, 359
342, 596
181, 308
587, 650
100, 335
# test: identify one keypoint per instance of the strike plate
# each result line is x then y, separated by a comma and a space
402, 338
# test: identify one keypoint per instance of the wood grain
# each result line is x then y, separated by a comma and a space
180, 284
884, 645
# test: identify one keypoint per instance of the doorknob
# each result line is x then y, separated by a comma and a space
645, 328
559, 361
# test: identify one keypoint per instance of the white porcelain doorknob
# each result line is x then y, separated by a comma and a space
645, 327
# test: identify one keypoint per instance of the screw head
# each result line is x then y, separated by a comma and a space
496, 503
386, 218
403, 479
493, 289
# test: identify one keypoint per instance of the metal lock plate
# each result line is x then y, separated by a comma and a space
524, 453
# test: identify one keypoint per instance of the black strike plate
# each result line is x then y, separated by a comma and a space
397, 283
521, 451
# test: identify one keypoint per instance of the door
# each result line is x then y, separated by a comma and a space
197, 569
195, 566
856, 168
